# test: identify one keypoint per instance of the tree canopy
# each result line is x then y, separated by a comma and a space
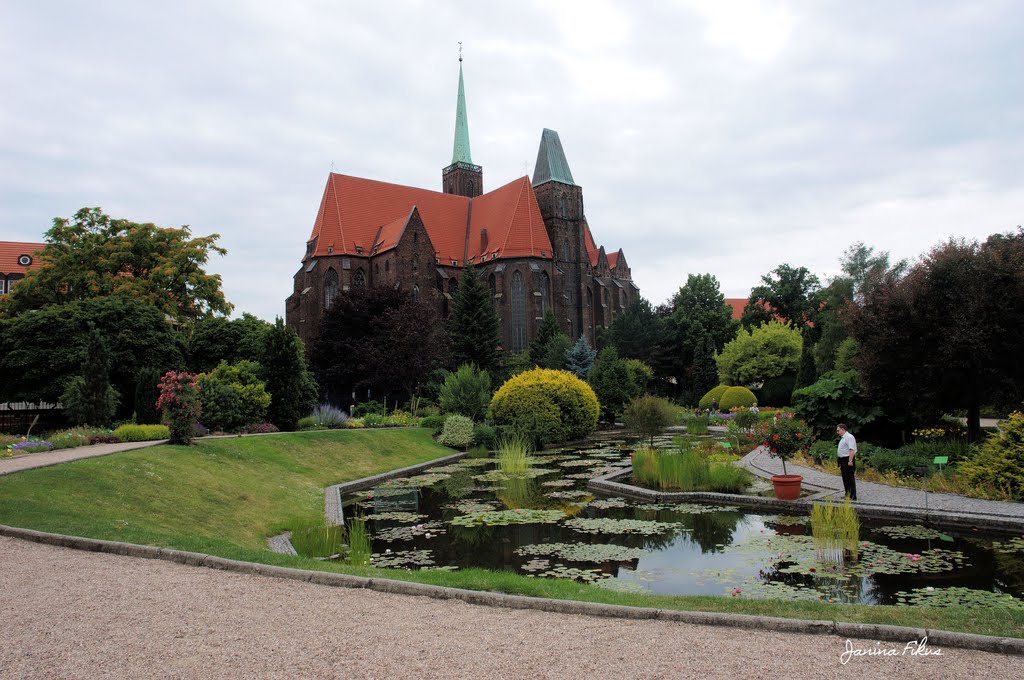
93, 255
786, 293
473, 328
770, 350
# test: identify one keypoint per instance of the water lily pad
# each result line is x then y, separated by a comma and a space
910, 531
1010, 547
584, 552
606, 525
607, 503
427, 479
507, 517
569, 494
408, 517
402, 558
789, 520
580, 462
499, 476
536, 565
958, 597
556, 483
471, 506
427, 530
588, 575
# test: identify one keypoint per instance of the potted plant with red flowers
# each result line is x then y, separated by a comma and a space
783, 437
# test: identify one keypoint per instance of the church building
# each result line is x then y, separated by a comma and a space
529, 240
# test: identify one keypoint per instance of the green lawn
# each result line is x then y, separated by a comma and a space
226, 496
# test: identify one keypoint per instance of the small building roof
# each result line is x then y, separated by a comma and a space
13, 256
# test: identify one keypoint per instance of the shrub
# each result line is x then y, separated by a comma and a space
777, 391
697, 424
328, 416
179, 400
262, 428
433, 422
79, 436
735, 397
147, 391
233, 396
743, 419
714, 394
902, 461
142, 433
999, 463
375, 407
613, 383
556, 405
307, 423
374, 420
647, 416
457, 432
485, 436
784, 436
835, 398
467, 391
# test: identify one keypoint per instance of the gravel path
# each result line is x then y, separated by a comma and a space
67, 613
36, 460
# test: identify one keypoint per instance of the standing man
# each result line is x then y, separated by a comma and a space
847, 450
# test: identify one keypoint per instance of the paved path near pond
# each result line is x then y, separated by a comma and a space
69, 613
871, 494
37, 460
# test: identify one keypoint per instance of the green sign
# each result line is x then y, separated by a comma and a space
941, 460
725, 445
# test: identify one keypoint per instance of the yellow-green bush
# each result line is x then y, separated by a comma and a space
736, 397
714, 394
999, 464
142, 433
548, 405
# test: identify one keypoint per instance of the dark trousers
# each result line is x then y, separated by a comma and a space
849, 480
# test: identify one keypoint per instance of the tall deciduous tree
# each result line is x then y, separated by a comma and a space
786, 293
473, 328
378, 339
217, 338
698, 310
634, 333
92, 255
946, 335
38, 351
770, 350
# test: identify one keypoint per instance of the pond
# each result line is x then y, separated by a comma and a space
544, 523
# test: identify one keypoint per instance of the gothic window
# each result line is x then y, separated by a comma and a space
561, 205
545, 293
359, 279
565, 250
440, 283
471, 186
415, 237
492, 283
416, 293
518, 313
590, 308
604, 297
330, 288
622, 298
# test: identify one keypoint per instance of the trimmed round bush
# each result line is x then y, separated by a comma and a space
457, 432
715, 393
546, 405
736, 397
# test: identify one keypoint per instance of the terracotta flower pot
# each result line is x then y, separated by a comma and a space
787, 487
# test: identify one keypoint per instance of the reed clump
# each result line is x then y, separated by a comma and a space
685, 469
316, 538
836, 530
514, 455
359, 550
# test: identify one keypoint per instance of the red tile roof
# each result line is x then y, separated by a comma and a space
737, 305
10, 251
357, 212
613, 259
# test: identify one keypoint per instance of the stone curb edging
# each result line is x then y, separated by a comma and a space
884, 633
607, 484
333, 494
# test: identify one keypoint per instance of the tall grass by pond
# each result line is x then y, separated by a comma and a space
358, 543
684, 469
697, 424
316, 538
514, 455
836, 530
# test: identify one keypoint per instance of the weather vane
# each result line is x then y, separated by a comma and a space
460, 50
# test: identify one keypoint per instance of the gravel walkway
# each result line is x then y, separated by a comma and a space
68, 613
870, 494
36, 460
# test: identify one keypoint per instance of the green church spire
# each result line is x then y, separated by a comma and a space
460, 154
551, 163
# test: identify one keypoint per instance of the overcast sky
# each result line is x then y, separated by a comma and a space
708, 135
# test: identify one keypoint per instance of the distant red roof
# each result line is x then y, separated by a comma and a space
737, 305
12, 254
363, 213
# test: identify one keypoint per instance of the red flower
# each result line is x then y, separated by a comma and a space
798, 435
775, 437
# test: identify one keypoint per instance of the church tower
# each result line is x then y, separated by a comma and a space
561, 206
462, 178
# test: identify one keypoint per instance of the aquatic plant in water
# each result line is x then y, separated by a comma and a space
514, 455
956, 596
584, 552
402, 558
358, 543
1010, 547
835, 530
407, 517
507, 517
562, 571
408, 533
607, 503
316, 538
912, 531
606, 525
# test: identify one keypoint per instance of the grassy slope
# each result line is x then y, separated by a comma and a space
226, 496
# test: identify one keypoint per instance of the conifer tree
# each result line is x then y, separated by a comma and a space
546, 332
580, 358
90, 399
293, 390
473, 329
705, 370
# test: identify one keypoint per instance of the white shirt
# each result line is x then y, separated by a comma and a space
846, 444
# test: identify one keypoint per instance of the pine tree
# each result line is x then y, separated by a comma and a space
474, 326
293, 390
147, 391
580, 358
807, 374
546, 332
705, 370
90, 399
